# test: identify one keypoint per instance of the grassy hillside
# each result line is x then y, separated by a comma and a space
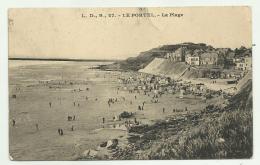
134, 63
215, 133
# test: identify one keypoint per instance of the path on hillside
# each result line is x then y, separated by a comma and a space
184, 72
244, 80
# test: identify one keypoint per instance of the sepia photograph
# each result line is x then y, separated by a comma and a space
135, 83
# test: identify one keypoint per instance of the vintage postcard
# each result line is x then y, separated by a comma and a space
130, 83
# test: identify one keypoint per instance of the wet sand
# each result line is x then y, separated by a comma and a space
31, 106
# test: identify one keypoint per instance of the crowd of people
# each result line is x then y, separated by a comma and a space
151, 86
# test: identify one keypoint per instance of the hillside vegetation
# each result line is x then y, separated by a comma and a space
144, 58
214, 133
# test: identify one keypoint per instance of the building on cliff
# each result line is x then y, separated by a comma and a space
244, 63
192, 59
177, 55
209, 58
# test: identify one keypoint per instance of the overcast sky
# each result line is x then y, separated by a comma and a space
63, 33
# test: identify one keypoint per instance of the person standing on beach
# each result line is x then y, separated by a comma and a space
37, 127
139, 107
50, 104
103, 119
13, 122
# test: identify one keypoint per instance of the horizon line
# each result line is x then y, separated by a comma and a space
61, 59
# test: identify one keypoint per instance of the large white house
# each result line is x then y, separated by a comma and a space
244, 63
192, 60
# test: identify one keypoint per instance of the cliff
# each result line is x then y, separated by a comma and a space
144, 58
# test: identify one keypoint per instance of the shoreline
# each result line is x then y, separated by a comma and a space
99, 86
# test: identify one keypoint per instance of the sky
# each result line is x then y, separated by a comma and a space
63, 33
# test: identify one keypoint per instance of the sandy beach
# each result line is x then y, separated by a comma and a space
73, 89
